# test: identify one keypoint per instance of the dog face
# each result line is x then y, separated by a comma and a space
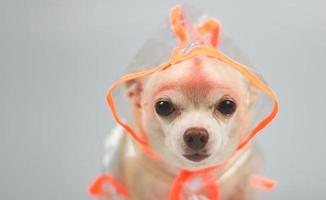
194, 112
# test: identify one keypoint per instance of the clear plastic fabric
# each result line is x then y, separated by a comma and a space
159, 49
167, 47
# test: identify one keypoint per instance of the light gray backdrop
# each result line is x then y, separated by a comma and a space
57, 58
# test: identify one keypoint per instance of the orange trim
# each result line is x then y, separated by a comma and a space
262, 182
97, 187
211, 26
146, 148
178, 184
213, 189
178, 23
185, 176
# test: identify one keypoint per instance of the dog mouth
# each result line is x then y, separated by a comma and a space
196, 157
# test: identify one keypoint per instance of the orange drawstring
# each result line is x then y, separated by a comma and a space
212, 188
262, 182
97, 187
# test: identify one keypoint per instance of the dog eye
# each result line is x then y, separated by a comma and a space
164, 108
226, 107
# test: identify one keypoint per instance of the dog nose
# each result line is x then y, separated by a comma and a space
196, 138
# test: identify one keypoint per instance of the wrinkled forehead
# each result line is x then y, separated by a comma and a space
198, 77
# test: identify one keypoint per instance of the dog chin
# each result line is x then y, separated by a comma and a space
187, 164
194, 166
212, 160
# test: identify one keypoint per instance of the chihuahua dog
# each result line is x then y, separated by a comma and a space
193, 113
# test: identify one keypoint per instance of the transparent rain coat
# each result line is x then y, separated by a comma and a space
180, 39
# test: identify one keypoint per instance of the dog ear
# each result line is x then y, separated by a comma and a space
252, 95
134, 89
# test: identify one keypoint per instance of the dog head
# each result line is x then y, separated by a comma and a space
194, 112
